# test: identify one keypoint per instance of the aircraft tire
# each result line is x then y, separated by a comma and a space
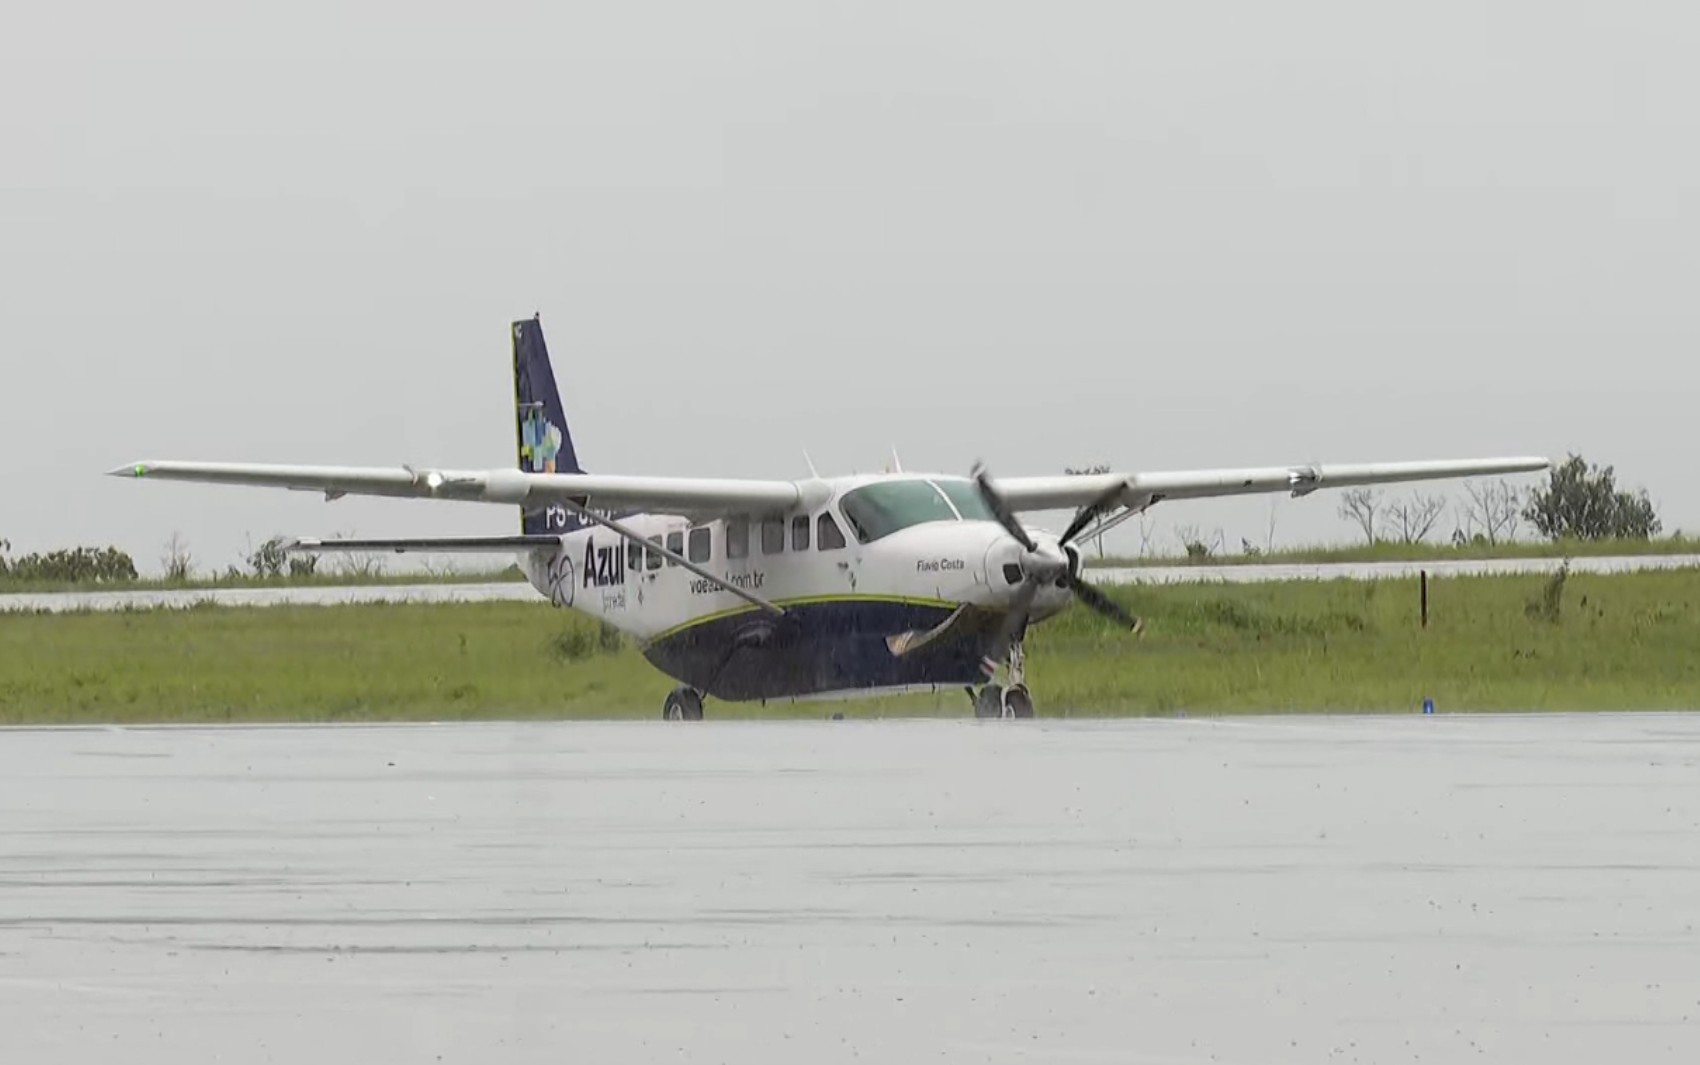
683, 704
1017, 701
988, 701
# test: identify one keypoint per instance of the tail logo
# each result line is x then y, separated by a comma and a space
539, 443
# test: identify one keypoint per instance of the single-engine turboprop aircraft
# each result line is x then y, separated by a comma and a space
753, 589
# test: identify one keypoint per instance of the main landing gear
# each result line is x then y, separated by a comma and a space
1015, 700
683, 704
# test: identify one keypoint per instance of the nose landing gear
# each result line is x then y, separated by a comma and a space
994, 700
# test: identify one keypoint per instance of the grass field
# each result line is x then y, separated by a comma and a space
1629, 641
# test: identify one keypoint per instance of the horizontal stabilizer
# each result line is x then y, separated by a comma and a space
433, 545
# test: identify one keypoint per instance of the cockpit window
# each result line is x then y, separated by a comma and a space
884, 507
966, 499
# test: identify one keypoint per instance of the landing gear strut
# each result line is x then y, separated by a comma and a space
683, 704
1012, 701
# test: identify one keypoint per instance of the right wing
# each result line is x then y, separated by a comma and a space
701, 498
1139, 490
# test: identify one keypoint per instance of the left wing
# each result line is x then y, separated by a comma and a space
437, 545
1140, 490
698, 497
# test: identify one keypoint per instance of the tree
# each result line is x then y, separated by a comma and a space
1416, 516
1361, 505
76, 565
1491, 511
269, 560
1582, 502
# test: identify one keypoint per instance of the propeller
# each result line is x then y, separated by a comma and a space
1043, 563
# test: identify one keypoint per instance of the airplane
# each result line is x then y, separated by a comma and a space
821, 587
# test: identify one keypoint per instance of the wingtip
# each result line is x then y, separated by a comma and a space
134, 469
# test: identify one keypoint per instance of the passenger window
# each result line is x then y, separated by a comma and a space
773, 536
675, 544
800, 533
652, 557
634, 556
737, 538
828, 536
700, 545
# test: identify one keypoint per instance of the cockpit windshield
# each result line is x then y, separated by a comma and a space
966, 498
884, 507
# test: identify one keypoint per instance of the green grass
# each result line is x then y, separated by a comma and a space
1386, 551
1629, 641
9, 585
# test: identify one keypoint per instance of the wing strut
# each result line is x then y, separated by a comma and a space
673, 556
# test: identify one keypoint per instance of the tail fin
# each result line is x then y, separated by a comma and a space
545, 444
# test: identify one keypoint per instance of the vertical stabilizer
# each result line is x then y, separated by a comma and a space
545, 443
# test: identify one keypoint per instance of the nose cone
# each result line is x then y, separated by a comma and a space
1009, 566
1047, 561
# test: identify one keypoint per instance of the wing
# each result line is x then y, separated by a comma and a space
1139, 490
692, 496
441, 545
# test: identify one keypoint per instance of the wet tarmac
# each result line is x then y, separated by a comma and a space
1421, 888
509, 591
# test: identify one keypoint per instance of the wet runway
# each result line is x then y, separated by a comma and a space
1250, 890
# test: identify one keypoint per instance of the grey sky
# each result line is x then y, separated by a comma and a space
1155, 235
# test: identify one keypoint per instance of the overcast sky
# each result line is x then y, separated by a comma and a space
1152, 235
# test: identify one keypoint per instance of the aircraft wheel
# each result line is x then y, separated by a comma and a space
683, 704
1017, 702
988, 701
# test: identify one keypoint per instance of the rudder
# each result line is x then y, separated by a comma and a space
545, 443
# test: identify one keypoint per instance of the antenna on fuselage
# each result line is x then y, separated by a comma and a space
811, 464
896, 463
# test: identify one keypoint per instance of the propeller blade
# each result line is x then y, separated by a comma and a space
1000, 509
1013, 623
1090, 512
1103, 604
913, 640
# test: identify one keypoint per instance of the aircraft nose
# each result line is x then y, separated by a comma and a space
1008, 563
1047, 560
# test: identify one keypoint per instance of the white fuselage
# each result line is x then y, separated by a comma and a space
948, 561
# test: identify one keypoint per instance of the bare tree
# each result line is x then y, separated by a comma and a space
1361, 506
358, 565
176, 561
1415, 517
1269, 531
1492, 510
1195, 545
1147, 533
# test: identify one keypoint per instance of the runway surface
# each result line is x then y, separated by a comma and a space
1246, 890
58, 602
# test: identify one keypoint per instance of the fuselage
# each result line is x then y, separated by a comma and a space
875, 557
